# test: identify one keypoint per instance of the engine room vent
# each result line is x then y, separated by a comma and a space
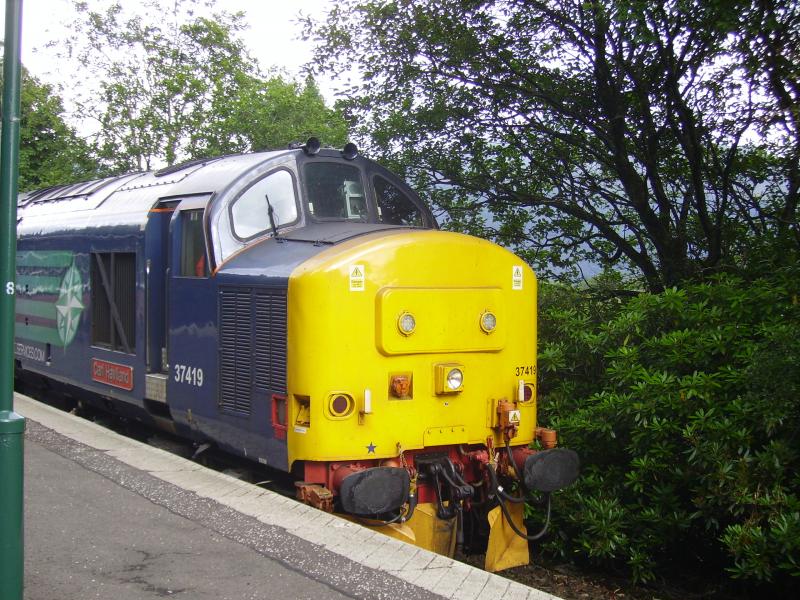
252, 346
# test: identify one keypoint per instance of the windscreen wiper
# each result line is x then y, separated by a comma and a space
271, 214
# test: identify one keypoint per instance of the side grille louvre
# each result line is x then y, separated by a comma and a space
252, 346
270, 342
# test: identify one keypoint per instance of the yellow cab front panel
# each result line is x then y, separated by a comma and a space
346, 310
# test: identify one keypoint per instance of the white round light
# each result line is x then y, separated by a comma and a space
488, 322
454, 379
406, 323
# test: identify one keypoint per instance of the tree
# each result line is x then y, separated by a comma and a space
268, 113
184, 87
770, 52
626, 132
51, 152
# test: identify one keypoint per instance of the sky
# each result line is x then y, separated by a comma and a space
273, 35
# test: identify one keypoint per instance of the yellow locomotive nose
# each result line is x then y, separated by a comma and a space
414, 327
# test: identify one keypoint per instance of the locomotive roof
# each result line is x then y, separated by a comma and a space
126, 200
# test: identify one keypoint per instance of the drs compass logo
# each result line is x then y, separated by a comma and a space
69, 306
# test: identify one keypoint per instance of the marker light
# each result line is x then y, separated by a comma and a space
455, 379
488, 322
341, 405
406, 323
527, 392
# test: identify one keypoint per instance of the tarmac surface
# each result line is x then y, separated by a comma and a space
110, 517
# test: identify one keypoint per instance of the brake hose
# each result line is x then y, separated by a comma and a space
499, 489
502, 496
514, 464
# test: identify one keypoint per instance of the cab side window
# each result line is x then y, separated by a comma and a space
250, 211
395, 207
193, 247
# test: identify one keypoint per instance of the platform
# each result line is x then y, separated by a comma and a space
109, 517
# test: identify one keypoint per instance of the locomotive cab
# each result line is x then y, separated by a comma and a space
321, 198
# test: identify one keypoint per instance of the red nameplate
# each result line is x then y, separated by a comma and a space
120, 376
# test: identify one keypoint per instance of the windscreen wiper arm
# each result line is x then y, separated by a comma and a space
271, 214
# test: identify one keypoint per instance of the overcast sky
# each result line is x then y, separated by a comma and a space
272, 36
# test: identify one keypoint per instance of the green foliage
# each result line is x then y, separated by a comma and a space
267, 114
51, 152
684, 408
182, 86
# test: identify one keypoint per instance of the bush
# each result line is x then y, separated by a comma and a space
684, 409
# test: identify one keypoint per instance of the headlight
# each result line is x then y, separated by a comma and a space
406, 323
455, 379
488, 322
449, 378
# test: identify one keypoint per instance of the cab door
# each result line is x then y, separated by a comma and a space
191, 317
156, 268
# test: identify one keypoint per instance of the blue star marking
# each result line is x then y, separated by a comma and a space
371, 448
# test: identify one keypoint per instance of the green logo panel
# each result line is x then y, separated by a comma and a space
49, 300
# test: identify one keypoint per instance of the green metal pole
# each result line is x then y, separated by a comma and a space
12, 425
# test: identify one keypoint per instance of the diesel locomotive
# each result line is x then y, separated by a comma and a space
299, 308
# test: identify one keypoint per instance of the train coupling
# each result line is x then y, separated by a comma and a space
447, 483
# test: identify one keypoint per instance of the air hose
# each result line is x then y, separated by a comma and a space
502, 497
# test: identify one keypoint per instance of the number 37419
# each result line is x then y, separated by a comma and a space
525, 370
190, 375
